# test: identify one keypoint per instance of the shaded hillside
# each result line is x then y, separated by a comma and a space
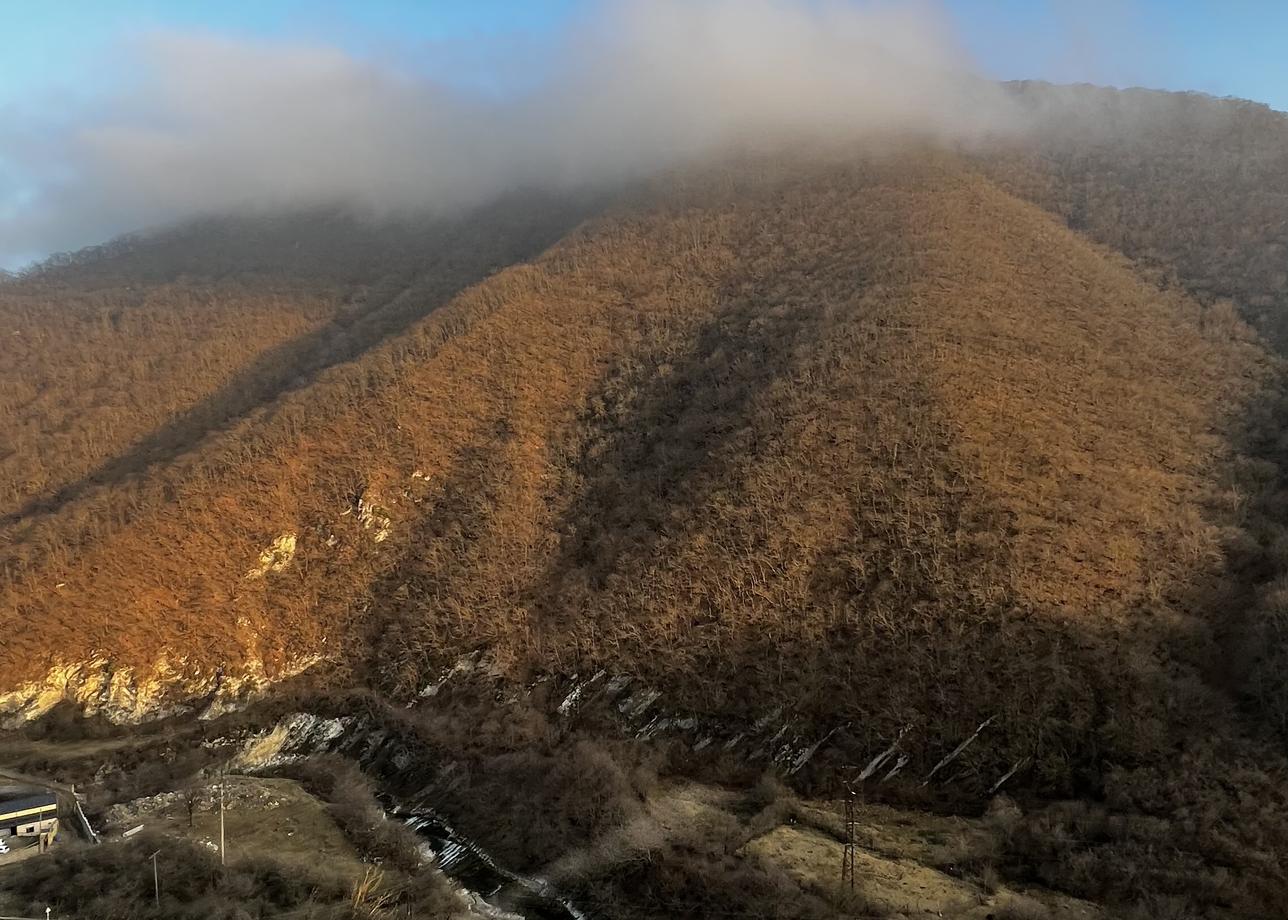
1189, 183
917, 455
322, 246
1195, 189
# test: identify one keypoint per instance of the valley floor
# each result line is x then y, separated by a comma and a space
292, 817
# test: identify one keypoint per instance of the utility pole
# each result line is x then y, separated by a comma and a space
223, 857
156, 879
848, 856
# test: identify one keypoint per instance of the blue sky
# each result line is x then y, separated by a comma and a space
1230, 48
65, 44
1235, 47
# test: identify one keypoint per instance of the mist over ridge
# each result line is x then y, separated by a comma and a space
204, 123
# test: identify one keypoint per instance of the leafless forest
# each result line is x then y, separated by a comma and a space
887, 440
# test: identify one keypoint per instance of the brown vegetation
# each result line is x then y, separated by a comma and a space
124, 357
93, 375
870, 438
1196, 189
750, 437
351, 802
115, 880
1191, 184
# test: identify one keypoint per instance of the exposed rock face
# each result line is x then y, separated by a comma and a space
125, 695
276, 557
375, 519
300, 732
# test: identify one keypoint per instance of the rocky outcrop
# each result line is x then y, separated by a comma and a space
125, 695
297, 734
276, 557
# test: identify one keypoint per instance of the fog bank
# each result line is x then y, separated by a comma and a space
202, 123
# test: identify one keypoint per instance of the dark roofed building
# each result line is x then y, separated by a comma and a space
28, 816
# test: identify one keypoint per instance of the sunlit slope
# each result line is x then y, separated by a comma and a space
171, 577
92, 378
873, 441
119, 360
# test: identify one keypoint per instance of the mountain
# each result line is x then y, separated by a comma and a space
1183, 182
898, 444
129, 353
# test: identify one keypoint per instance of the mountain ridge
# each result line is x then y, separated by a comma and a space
627, 294
886, 442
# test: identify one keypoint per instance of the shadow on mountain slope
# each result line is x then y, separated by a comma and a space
457, 253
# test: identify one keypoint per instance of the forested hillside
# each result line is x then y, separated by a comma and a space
1195, 189
93, 375
1188, 183
831, 412
127, 355
892, 443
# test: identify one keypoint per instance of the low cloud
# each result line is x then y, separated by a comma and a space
203, 124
